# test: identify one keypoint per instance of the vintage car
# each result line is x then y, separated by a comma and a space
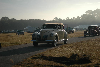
93, 30
51, 33
70, 30
19, 32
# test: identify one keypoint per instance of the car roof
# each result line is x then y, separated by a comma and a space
93, 25
55, 23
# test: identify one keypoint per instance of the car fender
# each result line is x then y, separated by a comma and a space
56, 35
65, 35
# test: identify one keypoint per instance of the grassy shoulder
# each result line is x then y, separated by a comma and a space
84, 53
10, 39
76, 34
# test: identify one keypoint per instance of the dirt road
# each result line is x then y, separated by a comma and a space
12, 55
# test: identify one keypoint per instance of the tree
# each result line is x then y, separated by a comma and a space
56, 19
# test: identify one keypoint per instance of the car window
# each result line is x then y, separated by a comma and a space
59, 26
92, 27
50, 26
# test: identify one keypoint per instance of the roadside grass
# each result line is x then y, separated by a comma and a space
76, 34
10, 39
84, 53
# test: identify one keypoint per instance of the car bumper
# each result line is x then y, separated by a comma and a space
46, 41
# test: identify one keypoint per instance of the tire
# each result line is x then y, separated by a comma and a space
55, 42
35, 44
93, 34
84, 35
98, 34
65, 41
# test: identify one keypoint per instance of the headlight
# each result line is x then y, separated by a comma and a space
95, 30
87, 31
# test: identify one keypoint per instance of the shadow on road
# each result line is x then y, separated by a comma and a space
26, 50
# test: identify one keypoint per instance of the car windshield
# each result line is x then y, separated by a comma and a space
92, 27
50, 26
69, 28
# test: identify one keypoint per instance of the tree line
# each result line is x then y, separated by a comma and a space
90, 17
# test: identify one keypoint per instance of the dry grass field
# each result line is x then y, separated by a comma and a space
80, 54
76, 34
10, 39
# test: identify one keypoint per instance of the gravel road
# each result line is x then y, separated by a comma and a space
12, 55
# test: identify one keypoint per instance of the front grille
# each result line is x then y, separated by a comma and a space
38, 37
91, 31
44, 37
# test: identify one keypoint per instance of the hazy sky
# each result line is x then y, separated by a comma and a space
46, 9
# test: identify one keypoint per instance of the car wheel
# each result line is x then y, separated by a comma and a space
93, 34
55, 42
84, 35
35, 44
65, 41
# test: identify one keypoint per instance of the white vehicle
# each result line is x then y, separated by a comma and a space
73, 30
29, 29
51, 33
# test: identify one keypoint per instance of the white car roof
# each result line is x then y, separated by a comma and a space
93, 25
55, 23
